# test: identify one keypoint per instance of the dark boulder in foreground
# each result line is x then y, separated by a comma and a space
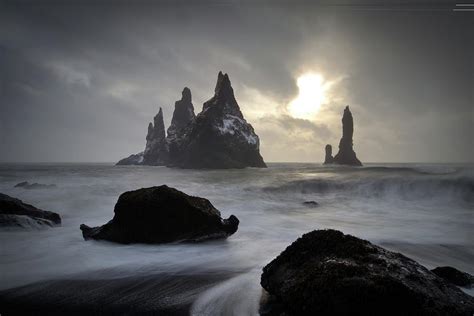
27, 185
454, 276
328, 273
15, 213
161, 215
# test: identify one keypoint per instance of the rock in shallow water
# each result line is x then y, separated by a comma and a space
15, 213
161, 215
454, 276
328, 273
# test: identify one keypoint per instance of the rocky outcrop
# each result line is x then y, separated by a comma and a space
219, 137
15, 213
454, 276
135, 159
27, 185
346, 154
156, 148
162, 215
182, 116
328, 273
328, 158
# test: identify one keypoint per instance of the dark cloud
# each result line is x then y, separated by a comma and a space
80, 80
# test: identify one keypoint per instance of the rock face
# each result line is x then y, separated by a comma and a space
329, 158
346, 154
15, 213
162, 215
219, 137
182, 116
156, 150
328, 273
454, 276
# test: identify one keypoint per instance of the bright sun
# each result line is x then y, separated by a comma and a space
312, 93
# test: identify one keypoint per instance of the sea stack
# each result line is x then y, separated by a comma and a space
329, 158
219, 137
346, 154
156, 150
183, 114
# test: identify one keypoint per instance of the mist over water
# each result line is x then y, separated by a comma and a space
423, 211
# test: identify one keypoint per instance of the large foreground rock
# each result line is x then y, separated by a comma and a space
328, 273
454, 276
161, 215
15, 213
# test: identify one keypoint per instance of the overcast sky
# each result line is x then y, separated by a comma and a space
80, 81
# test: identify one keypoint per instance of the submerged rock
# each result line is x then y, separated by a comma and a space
15, 213
219, 137
161, 215
346, 154
310, 203
454, 276
27, 185
328, 273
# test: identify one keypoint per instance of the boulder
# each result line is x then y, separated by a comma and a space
219, 137
15, 213
454, 276
310, 203
161, 215
325, 272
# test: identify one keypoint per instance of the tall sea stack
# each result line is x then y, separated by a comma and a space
182, 116
156, 151
219, 137
346, 154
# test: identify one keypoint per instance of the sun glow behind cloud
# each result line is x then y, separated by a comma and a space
312, 94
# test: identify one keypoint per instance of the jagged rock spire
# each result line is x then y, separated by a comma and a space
223, 99
346, 154
182, 115
156, 151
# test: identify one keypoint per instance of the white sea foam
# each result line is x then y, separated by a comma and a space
397, 205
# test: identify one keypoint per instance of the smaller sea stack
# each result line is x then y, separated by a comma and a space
346, 154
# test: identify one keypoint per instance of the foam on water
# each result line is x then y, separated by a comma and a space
419, 209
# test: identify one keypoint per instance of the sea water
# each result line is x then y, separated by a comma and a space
425, 211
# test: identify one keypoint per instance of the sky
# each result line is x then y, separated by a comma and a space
80, 80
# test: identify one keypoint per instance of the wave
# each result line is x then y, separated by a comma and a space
405, 187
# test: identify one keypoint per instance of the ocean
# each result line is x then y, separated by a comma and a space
425, 211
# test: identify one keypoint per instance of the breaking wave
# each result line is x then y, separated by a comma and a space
399, 187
